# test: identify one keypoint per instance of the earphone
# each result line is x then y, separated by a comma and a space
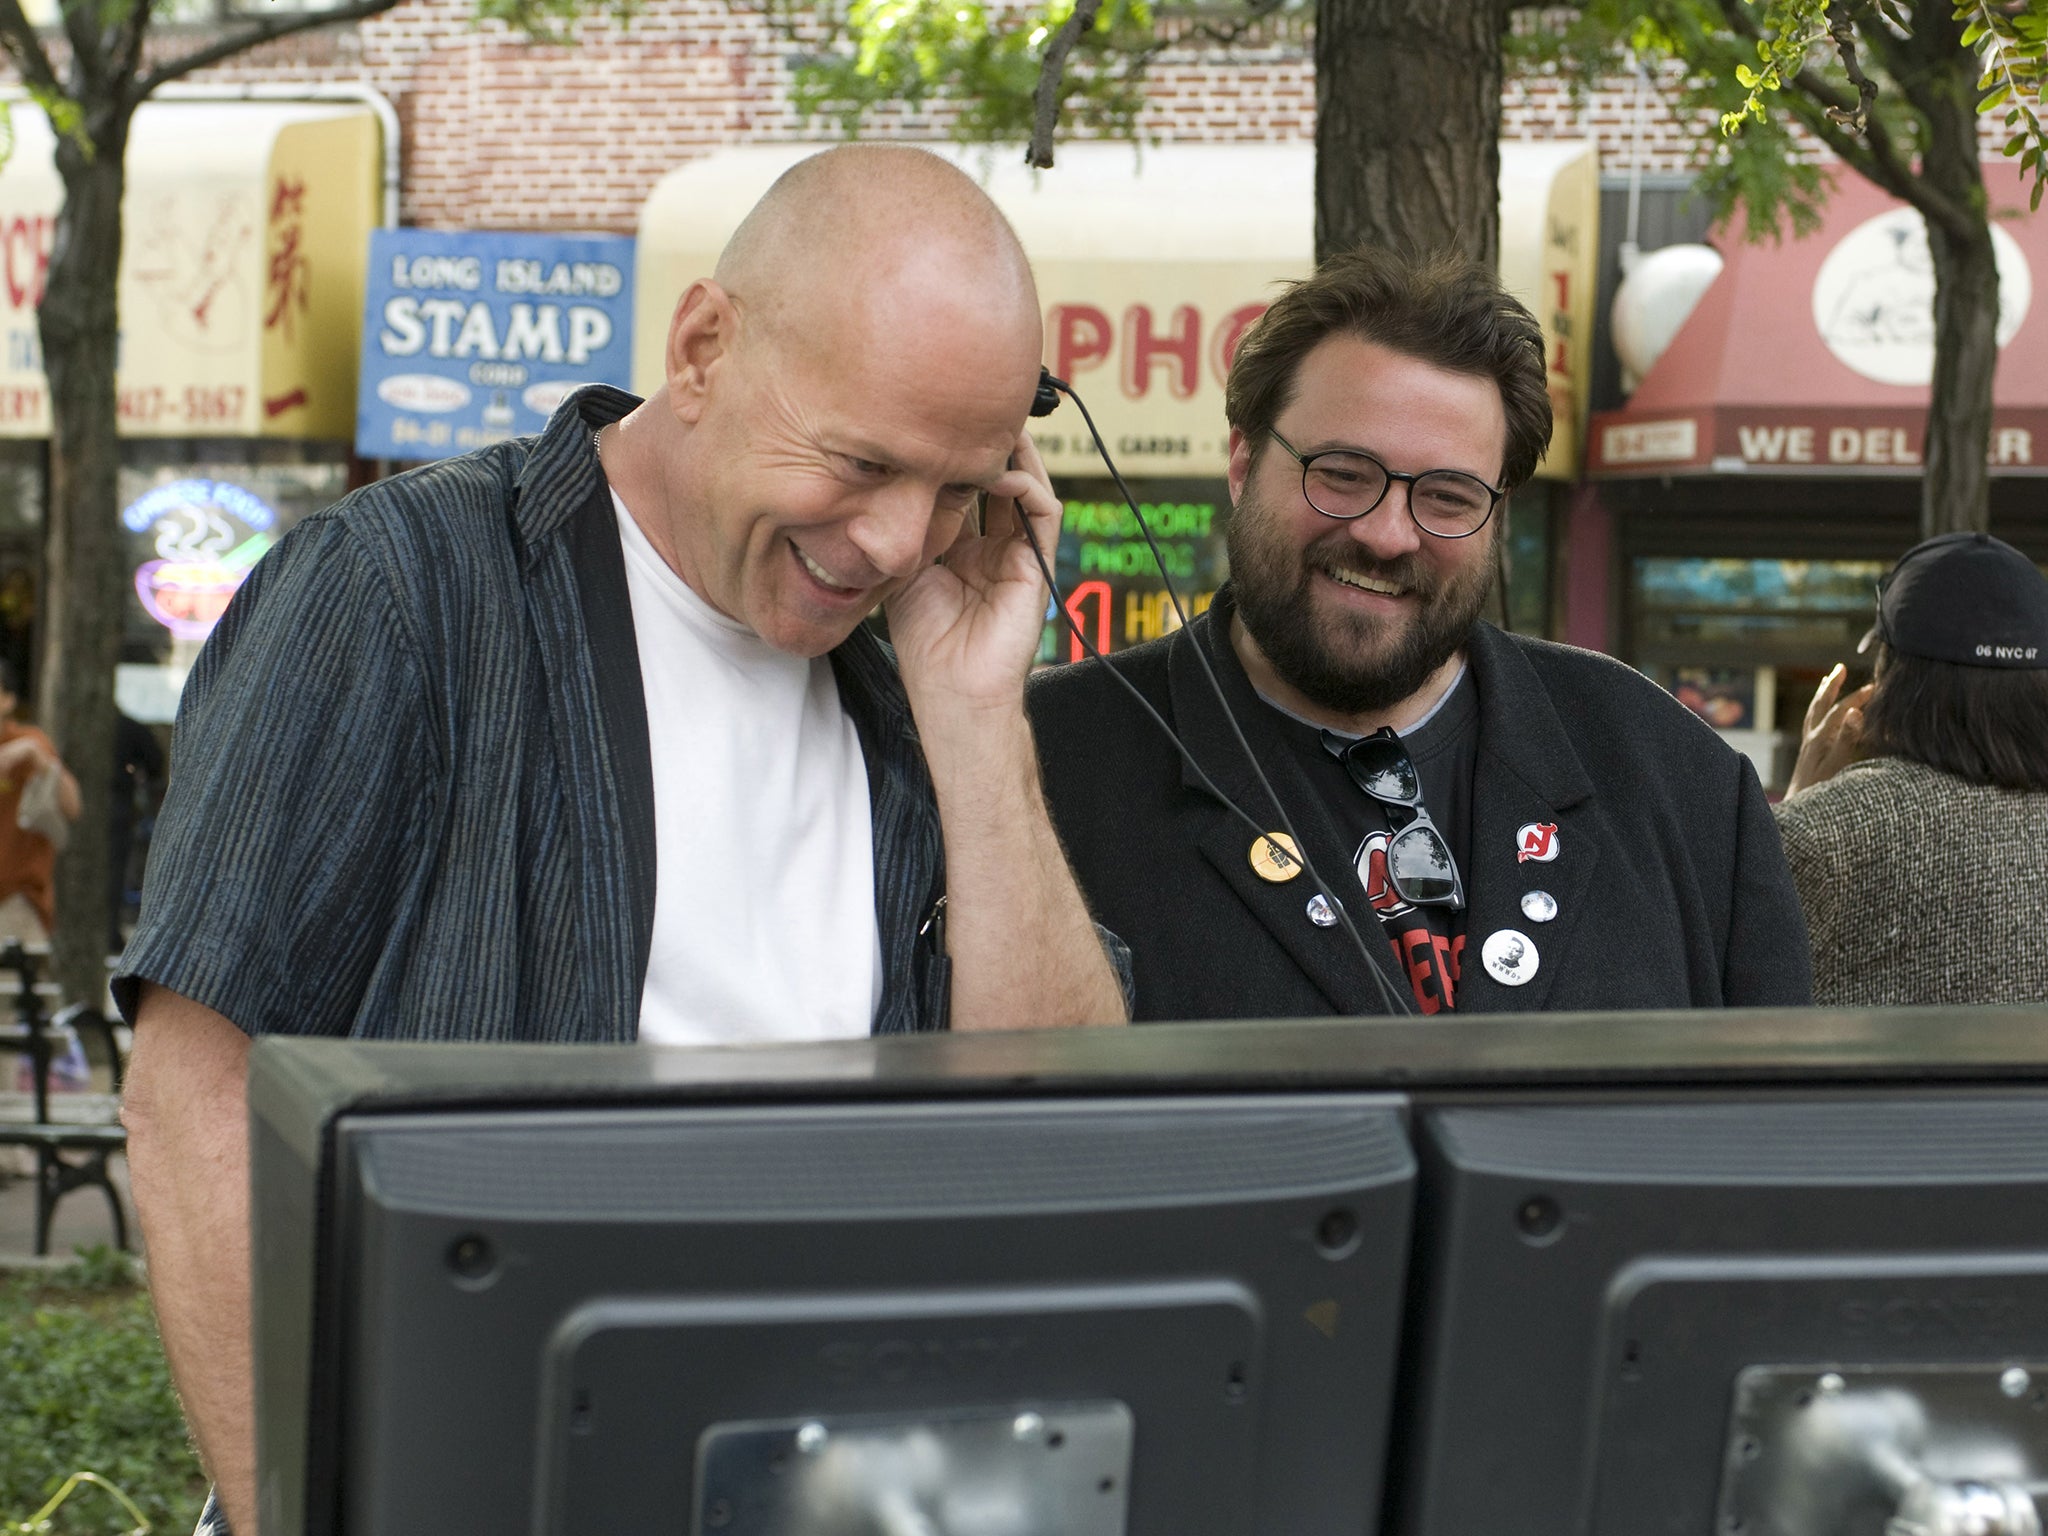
1047, 400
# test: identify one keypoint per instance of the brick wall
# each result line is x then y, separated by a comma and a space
501, 133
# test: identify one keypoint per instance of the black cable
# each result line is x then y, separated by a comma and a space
1395, 1003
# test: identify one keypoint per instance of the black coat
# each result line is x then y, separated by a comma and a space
1672, 890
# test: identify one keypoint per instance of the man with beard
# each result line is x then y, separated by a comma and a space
1529, 826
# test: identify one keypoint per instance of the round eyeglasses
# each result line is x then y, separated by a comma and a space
1347, 483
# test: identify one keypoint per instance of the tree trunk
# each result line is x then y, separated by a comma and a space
82, 570
1955, 492
1939, 77
1408, 125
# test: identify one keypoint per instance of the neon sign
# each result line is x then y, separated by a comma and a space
209, 533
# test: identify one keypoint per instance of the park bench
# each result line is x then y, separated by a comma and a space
72, 1134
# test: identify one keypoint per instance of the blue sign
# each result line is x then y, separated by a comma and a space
471, 339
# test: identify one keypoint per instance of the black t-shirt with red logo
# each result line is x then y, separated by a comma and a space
1428, 942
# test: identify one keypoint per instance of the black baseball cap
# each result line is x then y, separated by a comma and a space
1966, 598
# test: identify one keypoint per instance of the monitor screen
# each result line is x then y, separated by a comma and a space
1766, 1274
1022, 1314
1759, 1314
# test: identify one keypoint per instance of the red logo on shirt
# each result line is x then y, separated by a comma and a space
1372, 870
1538, 841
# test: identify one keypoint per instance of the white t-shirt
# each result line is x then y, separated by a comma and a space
764, 903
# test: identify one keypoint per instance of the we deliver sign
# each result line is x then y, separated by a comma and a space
471, 339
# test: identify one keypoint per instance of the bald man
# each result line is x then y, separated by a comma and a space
581, 737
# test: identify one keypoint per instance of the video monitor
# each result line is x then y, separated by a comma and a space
609, 1290
1751, 1312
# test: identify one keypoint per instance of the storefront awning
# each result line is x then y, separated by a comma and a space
1813, 356
1151, 264
241, 287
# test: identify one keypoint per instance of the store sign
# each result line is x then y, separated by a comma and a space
240, 284
1649, 442
1873, 300
1810, 439
472, 339
1112, 578
1152, 372
1145, 294
207, 535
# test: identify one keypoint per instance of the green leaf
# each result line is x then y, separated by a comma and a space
1973, 32
1994, 99
2034, 202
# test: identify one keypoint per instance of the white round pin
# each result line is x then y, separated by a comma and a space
1510, 957
1320, 912
1539, 906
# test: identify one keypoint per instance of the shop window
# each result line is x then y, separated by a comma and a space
1527, 576
1108, 574
194, 530
1731, 612
1743, 643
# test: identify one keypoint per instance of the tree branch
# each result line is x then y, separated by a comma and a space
1815, 101
1255, 12
1842, 28
128, 45
254, 35
18, 38
1052, 74
88, 58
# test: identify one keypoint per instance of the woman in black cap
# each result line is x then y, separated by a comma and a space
1917, 818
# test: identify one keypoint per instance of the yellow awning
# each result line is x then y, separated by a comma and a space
246, 230
1151, 263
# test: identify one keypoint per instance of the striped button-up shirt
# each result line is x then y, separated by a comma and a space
410, 794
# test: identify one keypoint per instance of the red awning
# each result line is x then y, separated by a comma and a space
1793, 360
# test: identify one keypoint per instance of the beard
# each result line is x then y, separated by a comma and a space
1345, 661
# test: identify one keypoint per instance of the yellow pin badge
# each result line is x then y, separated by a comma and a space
1275, 857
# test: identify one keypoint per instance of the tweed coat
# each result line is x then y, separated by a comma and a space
1920, 887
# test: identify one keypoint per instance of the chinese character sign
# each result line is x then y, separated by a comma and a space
471, 339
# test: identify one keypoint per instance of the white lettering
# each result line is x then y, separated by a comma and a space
464, 272
402, 332
534, 332
582, 279
1762, 445
443, 313
479, 336
2012, 445
590, 330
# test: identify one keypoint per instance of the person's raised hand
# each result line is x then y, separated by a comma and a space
1832, 737
967, 628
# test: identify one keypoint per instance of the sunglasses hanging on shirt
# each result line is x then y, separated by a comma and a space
1419, 862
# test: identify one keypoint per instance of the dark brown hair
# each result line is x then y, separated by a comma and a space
1440, 309
1988, 725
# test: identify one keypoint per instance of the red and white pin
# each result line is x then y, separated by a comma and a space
1536, 842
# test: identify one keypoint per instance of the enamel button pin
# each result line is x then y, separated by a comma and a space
1537, 840
1539, 906
1320, 912
1510, 958
1274, 857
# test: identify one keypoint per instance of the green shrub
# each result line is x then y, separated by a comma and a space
84, 1387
